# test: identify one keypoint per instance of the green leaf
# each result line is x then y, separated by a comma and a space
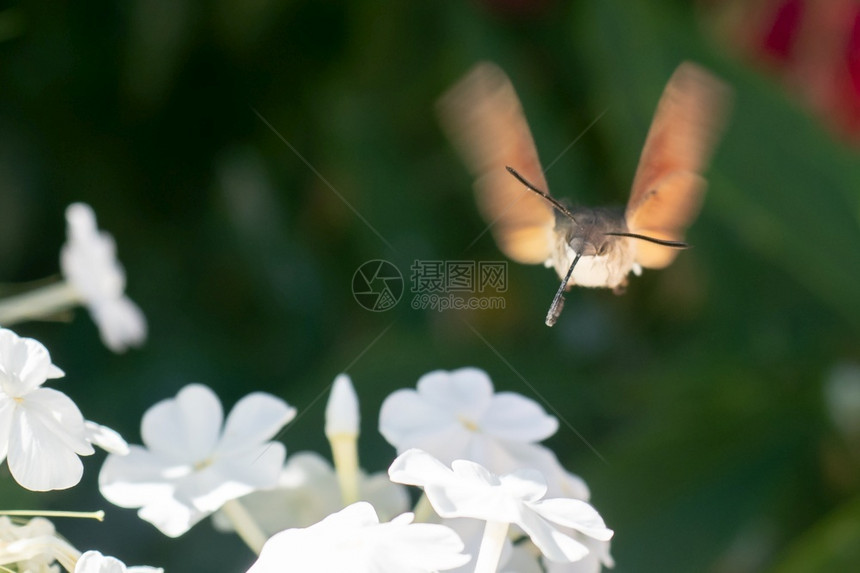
829, 545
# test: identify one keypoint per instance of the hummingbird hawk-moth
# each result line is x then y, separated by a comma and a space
587, 246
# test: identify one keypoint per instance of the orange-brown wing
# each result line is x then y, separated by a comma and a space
668, 187
483, 118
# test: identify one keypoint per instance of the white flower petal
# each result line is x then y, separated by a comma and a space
60, 414
81, 220
138, 478
318, 547
47, 435
560, 482
54, 372
88, 259
88, 262
105, 438
474, 473
121, 323
254, 419
417, 467
342, 413
294, 549
95, 562
308, 487
7, 413
232, 477
34, 546
498, 456
575, 514
307, 491
514, 417
37, 554
474, 498
554, 544
43, 463
171, 517
25, 364
354, 540
597, 558
526, 484
184, 428
38, 365
405, 418
468, 391
422, 547
359, 514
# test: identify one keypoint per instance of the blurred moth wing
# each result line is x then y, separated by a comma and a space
483, 118
668, 189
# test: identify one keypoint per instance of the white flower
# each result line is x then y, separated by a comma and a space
341, 412
95, 562
597, 558
34, 546
308, 490
89, 264
190, 466
353, 540
342, 421
455, 415
469, 490
42, 432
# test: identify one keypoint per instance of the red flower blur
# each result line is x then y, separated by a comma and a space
813, 46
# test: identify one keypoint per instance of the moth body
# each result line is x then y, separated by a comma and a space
605, 260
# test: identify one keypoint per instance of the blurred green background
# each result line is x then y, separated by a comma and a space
704, 388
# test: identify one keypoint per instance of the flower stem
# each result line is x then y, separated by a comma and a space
97, 515
344, 450
495, 533
39, 303
423, 511
245, 526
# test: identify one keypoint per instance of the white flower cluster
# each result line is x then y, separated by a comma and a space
42, 431
303, 514
494, 499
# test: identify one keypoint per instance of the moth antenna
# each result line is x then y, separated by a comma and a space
558, 301
553, 201
665, 243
